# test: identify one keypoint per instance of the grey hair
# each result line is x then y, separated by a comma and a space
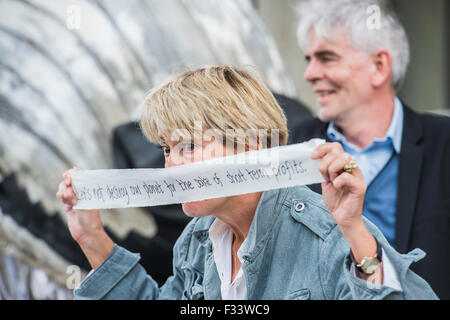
326, 17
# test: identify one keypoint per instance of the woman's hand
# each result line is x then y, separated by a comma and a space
85, 226
343, 194
82, 223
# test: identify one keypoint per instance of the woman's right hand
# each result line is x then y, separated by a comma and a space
82, 223
85, 226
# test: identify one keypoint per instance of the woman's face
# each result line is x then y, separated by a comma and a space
179, 153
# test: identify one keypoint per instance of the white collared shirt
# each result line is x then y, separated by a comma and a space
221, 237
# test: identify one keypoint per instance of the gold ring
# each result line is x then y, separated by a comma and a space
350, 166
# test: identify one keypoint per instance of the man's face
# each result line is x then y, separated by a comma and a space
338, 74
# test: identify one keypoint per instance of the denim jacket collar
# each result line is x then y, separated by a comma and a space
266, 213
308, 258
201, 232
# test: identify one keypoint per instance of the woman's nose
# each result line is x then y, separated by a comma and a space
176, 157
170, 162
173, 160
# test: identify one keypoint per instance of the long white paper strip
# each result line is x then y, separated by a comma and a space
248, 172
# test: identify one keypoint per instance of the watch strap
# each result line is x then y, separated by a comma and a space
378, 256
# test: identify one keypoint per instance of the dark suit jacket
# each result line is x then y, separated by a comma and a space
423, 203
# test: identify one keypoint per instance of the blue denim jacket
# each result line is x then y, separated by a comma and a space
292, 252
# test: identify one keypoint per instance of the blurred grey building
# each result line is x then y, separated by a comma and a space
71, 71
427, 23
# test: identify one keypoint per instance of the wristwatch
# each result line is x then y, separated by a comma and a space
369, 265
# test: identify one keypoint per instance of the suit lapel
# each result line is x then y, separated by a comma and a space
410, 168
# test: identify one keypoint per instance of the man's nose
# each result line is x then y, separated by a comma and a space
313, 71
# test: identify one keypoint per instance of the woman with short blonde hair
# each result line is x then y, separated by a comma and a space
277, 244
230, 101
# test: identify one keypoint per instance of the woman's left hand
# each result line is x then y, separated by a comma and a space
343, 192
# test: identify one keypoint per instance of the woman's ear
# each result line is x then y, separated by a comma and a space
382, 68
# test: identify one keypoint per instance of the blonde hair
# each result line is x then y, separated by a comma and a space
228, 100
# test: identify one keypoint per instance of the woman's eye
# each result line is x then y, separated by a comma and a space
165, 150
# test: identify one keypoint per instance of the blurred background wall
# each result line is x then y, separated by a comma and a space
71, 72
427, 84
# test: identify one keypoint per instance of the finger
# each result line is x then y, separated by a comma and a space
350, 182
325, 148
61, 188
73, 197
66, 196
323, 166
337, 166
344, 180
67, 177
69, 195
325, 185
326, 161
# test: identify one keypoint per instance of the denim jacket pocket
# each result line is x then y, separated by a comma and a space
302, 294
193, 284
197, 292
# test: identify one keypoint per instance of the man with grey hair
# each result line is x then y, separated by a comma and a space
357, 55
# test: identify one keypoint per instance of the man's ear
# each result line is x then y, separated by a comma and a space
382, 68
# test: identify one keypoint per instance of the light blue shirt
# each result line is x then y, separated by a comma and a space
372, 159
379, 160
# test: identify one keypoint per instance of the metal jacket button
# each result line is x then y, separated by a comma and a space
299, 206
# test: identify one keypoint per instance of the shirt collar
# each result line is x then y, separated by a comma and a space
394, 132
396, 128
266, 212
218, 231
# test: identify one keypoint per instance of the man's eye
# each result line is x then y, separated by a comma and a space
327, 58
